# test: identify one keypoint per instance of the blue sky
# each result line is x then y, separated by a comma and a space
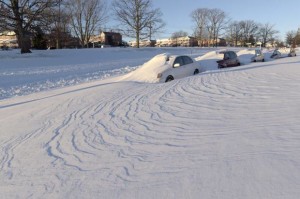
284, 14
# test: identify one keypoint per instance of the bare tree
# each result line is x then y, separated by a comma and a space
138, 17
249, 30
293, 38
23, 16
216, 21
290, 37
58, 23
156, 25
199, 17
3, 12
234, 32
297, 38
86, 17
267, 33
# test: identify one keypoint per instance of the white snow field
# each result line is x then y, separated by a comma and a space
230, 133
44, 70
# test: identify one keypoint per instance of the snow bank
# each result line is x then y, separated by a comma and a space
149, 70
22, 74
46, 70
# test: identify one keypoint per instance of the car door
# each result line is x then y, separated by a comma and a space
227, 59
188, 66
178, 68
233, 59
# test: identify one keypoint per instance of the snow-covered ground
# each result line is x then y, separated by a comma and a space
44, 70
230, 133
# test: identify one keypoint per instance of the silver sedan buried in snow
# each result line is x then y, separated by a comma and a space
177, 66
259, 56
292, 52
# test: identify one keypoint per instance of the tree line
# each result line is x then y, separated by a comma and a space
59, 19
293, 38
55, 18
210, 24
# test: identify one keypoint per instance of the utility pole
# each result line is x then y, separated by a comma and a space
58, 33
150, 31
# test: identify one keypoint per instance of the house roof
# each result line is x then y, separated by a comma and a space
7, 33
115, 33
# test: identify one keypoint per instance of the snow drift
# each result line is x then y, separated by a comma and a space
231, 133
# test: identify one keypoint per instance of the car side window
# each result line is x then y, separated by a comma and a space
232, 55
258, 52
179, 61
187, 60
226, 55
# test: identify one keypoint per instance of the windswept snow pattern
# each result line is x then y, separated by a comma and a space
231, 133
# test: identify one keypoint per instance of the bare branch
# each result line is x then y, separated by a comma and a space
138, 18
86, 17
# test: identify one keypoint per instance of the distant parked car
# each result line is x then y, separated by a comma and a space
276, 54
177, 66
230, 59
259, 56
292, 52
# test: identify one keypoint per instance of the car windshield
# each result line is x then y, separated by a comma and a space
232, 55
187, 60
226, 56
257, 52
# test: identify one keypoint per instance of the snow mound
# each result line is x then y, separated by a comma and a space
149, 70
245, 55
208, 61
209, 55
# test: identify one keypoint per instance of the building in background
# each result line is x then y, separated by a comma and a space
169, 42
211, 42
185, 41
143, 43
164, 42
107, 39
8, 39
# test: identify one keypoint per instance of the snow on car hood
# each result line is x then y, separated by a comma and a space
149, 70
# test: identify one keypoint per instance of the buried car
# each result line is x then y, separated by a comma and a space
177, 66
259, 56
230, 59
276, 54
292, 52
164, 68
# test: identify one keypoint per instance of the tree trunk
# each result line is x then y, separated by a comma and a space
22, 35
26, 44
137, 39
24, 41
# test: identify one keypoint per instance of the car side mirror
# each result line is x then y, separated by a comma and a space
176, 65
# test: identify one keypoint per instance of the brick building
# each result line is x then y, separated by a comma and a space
107, 38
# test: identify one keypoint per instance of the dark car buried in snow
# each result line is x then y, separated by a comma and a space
230, 59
